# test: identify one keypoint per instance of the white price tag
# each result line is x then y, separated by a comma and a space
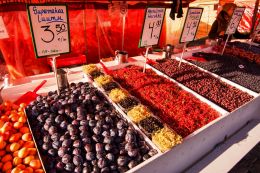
50, 29
235, 20
3, 31
152, 26
191, 24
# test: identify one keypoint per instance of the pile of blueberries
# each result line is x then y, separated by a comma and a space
79, 131
235, 69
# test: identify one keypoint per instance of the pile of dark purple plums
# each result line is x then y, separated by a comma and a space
78, 131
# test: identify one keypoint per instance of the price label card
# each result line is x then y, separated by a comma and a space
3, 31
152, 26
50, 29
191, 24
235, 20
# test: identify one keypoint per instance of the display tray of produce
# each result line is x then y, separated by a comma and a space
80, 131
164, 137
235, 69
204, 83
183, 110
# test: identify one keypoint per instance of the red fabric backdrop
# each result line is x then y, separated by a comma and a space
103, 34
95, 32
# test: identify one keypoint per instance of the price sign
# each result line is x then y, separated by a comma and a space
3, 31
50, 29
191, 24
235, 20
152, 26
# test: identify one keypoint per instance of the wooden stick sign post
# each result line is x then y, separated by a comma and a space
190, 27
152, 26
50, 31
233, 24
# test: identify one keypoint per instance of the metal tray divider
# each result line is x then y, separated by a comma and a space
35, 143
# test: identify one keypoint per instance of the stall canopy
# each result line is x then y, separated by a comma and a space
95, 28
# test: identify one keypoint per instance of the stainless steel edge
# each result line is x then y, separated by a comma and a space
36, 145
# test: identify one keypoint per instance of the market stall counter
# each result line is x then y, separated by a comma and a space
193, 146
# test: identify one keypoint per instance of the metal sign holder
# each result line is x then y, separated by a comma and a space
225, 44
54, 68
184, 48
146, 57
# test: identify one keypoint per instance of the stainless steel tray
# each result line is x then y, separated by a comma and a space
35, 143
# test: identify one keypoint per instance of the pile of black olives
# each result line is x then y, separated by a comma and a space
79, 131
